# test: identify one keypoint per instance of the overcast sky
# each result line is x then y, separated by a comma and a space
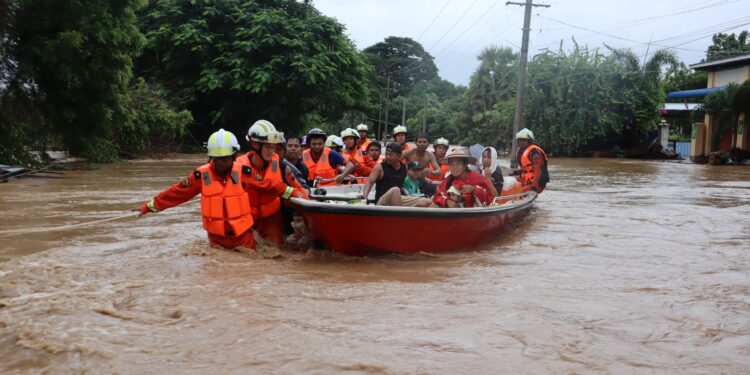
455, 31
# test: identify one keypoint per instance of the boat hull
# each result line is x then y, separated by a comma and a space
367, 230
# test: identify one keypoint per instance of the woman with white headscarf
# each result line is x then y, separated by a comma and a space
491, 170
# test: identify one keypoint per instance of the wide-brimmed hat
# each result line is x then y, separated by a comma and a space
460, 152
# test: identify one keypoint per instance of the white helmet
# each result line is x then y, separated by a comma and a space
400, 129
349, 132
259, 131
334, 141
222, 143
276, 137
362, 127
525, 134
442, 142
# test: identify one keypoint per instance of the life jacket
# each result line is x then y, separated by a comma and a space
528, 169
224, 206
322, 168
364, 145
355, 156
263, 204
443, 171
372, 163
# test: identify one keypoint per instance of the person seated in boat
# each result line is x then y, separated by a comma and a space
441, 147
400, 133
462, 188
372, 157
353, 153
388, 178
263, 159
364, 142
226, 188
532, 162
492, 171
335, 143
421, 155
322, 162
415, 183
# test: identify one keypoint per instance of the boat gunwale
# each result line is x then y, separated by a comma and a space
373, 210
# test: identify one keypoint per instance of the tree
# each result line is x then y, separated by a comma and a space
728, 45
404, 60
727, 104
73, 62
680, 77
232, 62
495, 79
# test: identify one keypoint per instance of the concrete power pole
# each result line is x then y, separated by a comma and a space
518, 117
403, 113
387, 99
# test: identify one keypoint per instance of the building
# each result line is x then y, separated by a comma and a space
720, 73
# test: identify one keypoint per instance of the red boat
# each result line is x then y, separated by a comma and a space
348, 225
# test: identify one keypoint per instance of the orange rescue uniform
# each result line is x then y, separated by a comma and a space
266, 207
441, 176
356, 157
364, 144
320, 168
532, 167
225, 201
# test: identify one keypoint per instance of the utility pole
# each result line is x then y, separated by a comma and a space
387, 89
518, 117
403, 112
424, 116
380, 115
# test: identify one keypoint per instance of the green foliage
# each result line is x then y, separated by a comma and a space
74, 58
155, 122
404, 60
231, 62
680, 77
728, 45
727, 104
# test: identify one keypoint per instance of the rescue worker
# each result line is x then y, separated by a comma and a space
335, 143
262, 158
532, 163
399, 136
322, 162
226, 188
462, 188
352, 153
389, 177
441, 147
364, 142
421, 155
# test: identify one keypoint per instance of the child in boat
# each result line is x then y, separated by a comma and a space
463, 188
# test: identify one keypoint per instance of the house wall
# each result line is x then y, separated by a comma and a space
723, 77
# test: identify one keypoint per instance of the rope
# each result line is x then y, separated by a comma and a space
14, 232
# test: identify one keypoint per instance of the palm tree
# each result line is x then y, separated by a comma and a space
494, 79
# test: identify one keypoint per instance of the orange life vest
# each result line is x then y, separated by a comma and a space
443, 171
364, 145
355, 156
224, 206
528, 177
263, 204
322, 168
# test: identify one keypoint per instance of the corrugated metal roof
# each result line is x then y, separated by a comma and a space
693, 93
716, 64
681, 106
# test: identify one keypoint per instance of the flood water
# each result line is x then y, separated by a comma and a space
622, 266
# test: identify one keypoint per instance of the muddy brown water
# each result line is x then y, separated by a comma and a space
622, 266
